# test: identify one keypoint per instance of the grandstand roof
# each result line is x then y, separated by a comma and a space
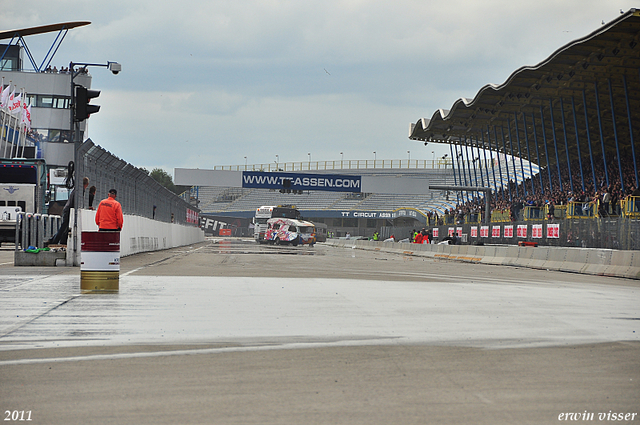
596, 71
41, 29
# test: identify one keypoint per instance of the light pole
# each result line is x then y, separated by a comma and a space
408, 158
74, 127
245, 163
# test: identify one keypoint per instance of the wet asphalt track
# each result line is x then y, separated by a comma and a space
248, 334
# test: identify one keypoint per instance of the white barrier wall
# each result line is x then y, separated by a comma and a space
139, 234
603, 262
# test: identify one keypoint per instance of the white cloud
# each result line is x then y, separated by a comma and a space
210, 82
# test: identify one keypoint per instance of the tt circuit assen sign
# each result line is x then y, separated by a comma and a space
293, 181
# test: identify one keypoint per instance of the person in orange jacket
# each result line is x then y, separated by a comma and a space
418, 238
425, 236
109, 214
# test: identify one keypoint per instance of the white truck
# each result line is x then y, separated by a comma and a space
22, 189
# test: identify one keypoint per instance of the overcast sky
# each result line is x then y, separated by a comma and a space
207, 83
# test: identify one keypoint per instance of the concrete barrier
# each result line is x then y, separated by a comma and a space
539, 257
624, 263
575, 260
139, 234
593, 261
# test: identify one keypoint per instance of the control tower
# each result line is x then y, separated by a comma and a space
45, 87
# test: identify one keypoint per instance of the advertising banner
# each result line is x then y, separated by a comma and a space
508, 231
536, 231
522, 231
299, 181
495, 231
474, 231
484, 231
435, 232
553, 231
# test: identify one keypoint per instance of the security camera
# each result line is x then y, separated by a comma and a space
115, 67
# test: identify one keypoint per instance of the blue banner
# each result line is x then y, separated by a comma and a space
301, 181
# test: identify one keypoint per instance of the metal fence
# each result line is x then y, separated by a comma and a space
138, 193
613, 233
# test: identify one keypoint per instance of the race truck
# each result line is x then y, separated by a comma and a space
264, 213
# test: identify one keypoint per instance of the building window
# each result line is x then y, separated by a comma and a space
48, 101
47, 135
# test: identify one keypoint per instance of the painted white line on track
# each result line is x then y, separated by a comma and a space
286, 346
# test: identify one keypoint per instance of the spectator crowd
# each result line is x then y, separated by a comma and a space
603, 196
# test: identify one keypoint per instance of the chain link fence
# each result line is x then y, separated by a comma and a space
138, 193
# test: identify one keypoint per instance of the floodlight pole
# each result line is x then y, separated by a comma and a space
487, 196
75, 134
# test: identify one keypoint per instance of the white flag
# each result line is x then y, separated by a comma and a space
26, 116
15, 104
4, 97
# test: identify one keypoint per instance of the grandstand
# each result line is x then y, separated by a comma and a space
238, 200
358, 213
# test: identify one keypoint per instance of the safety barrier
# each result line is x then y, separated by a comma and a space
32, 230
139, 234
594, 261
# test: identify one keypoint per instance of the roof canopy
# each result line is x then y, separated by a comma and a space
586, 94
41, 29
19, 35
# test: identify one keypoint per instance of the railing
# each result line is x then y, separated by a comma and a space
341, 165
535, 213
631, 207
473, 218
581, 210
500, 216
